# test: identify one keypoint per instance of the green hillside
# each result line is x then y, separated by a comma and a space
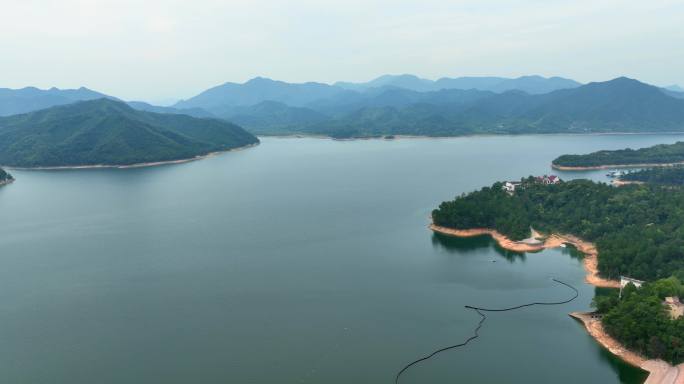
657, 154
108, 132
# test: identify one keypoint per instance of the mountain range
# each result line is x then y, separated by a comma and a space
619, 105
109, 132
529, 84
15, 101
406, 104
29, 99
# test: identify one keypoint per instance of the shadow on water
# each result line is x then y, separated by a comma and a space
571, 251
469, 244
626, 373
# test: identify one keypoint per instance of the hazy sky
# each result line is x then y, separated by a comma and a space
157, 49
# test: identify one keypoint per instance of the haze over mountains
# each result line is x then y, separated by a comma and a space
529, 84
409, 105
14, 101
386, 106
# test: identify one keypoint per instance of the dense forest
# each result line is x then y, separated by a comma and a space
5, 177
657, 154
665, 176
641, 322
109, 132
638, 229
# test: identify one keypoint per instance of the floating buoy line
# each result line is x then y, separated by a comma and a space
476, 334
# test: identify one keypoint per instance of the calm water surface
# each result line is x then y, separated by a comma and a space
298, 261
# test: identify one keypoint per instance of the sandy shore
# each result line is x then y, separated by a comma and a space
660, 372
642, 165
137, 165
553, 241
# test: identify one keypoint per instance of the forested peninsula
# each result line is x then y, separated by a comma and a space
5, 178
106, 132
657, 155
638, 231
663, 176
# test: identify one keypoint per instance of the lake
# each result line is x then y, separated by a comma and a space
301, 260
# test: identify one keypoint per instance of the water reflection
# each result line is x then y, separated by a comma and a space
459, 245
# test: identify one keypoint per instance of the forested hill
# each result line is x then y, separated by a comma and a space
638, 229
658, 154
664, 176
108, 132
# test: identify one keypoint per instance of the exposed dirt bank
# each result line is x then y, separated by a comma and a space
553, 241
660, 372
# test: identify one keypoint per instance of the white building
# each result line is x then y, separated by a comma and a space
510, 186
624, 280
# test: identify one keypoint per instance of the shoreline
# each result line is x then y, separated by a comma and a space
608, 166
128, 166
590, 260
660, 372
400, 136
6, 182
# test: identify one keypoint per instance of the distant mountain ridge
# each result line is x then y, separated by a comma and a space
258, 90
29, 99
16, 101
386, 106
619, 105
529, 84
194, 112
262, 89
109, 132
